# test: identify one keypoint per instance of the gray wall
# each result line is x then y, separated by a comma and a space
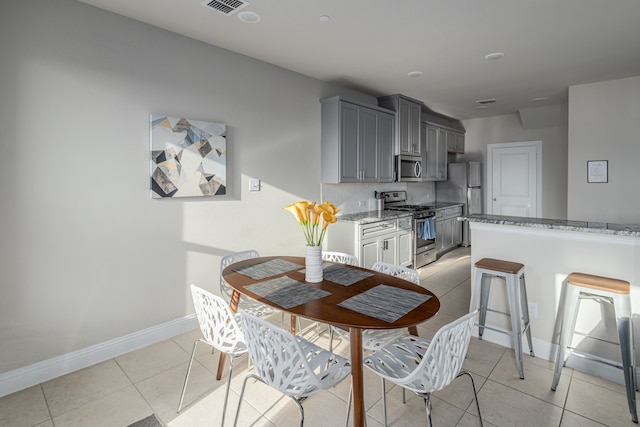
86, 255
604, 124
508, 128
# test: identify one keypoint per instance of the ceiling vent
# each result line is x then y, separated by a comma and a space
486, 101
227, 7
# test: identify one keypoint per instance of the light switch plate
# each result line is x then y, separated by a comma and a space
254, 185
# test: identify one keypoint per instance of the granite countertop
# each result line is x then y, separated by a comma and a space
632, 230
444, 205
373, 216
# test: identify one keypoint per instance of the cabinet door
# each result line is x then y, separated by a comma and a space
431, 143
439, 235
389, 250
460, 143
405, 248
370, 253
368, 144
404, 126
414, 128
451, 141
441, 156
386, 129
456, 232
349, 154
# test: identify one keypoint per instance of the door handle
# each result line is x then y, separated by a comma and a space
495, 200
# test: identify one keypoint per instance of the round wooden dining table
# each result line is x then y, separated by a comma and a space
327, 309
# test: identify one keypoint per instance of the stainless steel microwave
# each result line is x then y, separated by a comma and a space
408, 168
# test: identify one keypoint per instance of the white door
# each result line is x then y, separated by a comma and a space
514, 179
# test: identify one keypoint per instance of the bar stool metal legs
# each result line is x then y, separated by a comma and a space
613, 291
513, 275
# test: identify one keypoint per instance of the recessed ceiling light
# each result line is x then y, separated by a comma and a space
325, 18
414, 73
493, 56
539, 99
249, 17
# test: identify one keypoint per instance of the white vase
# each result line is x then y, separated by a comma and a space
313, 264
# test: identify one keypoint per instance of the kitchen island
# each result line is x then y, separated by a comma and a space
551, 250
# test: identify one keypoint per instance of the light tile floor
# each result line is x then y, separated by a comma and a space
130, 387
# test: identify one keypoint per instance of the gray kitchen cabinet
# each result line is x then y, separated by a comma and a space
434, 158
357, 142
387, 240
448, 229
408, 113
405, 241
386, 129
455, 141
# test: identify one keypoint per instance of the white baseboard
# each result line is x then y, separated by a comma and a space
547, 351
45, 370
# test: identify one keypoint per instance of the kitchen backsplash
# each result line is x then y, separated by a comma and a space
359, 197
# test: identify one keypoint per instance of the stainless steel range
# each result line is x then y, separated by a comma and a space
424, 233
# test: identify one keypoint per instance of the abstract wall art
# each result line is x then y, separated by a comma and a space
188, 157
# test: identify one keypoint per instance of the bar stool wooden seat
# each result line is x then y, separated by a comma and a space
604, 289
513, 275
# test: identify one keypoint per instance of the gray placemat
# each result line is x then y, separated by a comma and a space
267, 268
287, 292
343, 274
385, 302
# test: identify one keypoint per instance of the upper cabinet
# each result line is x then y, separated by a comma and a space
455, 141
357, 142
407, 131
434, 159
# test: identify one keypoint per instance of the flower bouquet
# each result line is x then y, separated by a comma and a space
313, 219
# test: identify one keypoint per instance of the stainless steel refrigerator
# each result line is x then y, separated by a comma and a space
463, 185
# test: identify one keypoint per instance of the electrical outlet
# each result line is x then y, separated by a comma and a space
254, 185
533, 310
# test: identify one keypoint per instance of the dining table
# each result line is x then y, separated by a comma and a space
350, 297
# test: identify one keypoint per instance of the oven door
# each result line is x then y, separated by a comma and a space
425, 241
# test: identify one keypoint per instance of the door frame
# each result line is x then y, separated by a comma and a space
538, 147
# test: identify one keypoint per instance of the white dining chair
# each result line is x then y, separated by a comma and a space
220, 329
290, 364
426, 366
339, 257
375, 339
245, 304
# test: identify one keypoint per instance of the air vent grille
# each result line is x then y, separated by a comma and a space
227, 7
486, 101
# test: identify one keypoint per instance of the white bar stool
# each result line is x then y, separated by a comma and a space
604, 289
513, 275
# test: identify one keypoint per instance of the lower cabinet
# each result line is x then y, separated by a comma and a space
448, 229
389, 240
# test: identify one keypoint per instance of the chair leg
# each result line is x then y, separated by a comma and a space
569, 314
624, 333
346, 423
485, 286
525, 313
475, 393
244, 385
513, 294
384, 401
330, 338
427, 404
226, 394
186, 378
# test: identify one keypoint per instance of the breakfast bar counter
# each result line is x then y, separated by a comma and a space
551, 250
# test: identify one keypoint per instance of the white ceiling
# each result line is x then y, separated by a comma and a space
371, 45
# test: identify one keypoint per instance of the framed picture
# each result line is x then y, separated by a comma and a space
597, 171
188, 157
